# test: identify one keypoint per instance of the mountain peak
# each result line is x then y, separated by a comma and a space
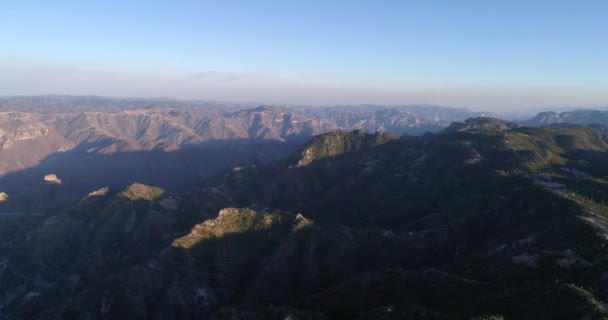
138, 191
480, 123
231, 221
262, 109
338, 142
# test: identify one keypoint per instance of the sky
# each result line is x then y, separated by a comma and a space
492, 55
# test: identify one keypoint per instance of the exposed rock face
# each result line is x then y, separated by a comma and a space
16, 127
54, 124
167, 130
92, 142
52, 178
99, 193
138, 191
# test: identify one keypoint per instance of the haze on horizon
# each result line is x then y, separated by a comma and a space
484, 55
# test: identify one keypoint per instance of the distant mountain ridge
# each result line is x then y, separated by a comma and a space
33, 128
572, 117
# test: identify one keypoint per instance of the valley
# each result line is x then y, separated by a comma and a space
485, 219
93, 142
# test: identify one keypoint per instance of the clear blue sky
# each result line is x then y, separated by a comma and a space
482, 54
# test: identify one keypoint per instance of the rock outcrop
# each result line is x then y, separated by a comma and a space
138, 191
52, 178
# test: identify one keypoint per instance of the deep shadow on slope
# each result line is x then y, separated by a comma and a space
486, 221
344, 272
376, 185
82, 172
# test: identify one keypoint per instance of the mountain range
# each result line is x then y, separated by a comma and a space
91, 142
479, 219
569, 117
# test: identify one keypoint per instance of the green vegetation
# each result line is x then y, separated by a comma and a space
336, 143
138, 191
229, 221
487, 220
